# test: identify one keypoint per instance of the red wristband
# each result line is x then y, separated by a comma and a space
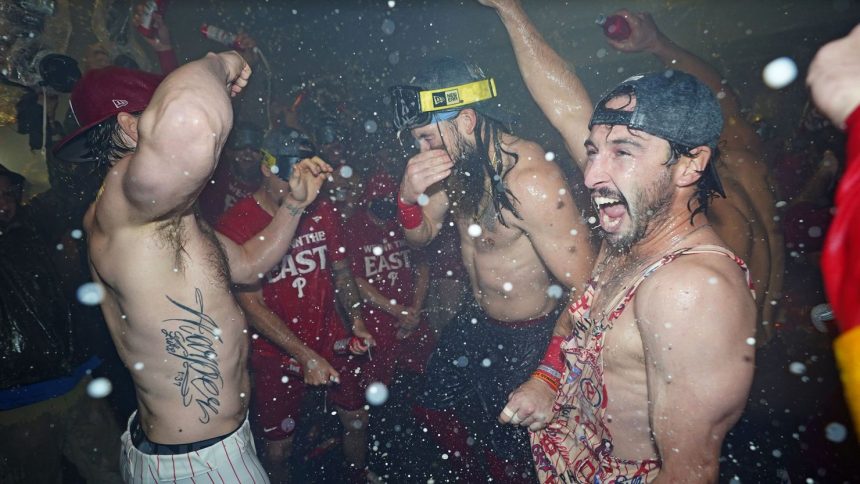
411, 216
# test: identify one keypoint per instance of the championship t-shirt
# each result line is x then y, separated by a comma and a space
299, 289
379, 254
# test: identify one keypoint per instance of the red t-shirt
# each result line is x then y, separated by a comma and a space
384, 260
299, 289
221, 193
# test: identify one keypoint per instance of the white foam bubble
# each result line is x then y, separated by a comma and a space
99, 388
91, 293
779, 73
388, 26
835, 432
376, 393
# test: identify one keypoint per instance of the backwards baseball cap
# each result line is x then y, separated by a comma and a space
443, 88
672, 105
99, 95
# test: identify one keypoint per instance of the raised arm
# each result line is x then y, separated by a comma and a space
695, 317
737, 134
261, 252
316, 370
551, 81
180, 135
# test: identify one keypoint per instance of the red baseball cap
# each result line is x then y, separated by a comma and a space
99, 95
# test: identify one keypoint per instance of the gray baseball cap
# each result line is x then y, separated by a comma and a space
672, 105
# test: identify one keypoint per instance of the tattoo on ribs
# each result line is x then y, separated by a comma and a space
193, 343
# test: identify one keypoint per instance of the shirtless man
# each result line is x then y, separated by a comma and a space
165, 275
523, 242
660, 361
745, 217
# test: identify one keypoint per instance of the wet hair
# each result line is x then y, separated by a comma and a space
105, 141
473, 188
706, 187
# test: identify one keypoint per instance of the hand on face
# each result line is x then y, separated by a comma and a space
422, 171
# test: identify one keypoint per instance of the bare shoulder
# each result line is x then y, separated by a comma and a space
532, 175
698, 287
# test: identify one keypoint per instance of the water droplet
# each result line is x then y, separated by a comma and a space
77, 234
91, 294
750, 341
388, 26
390, 3
475, 230
274, 169
370, 126
486, 362
549, 156
508, 287
288, 424
346, 171
285, 379
423, 199
554, 291
779, 73
592, 220
797, 368
394, 58
712, 280
814, 232
835, 432
99, 388
376, 393
461, 362
377, 250
138, 366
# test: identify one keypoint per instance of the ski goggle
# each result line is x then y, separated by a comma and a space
414, 107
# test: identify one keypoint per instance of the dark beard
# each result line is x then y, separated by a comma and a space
466, 187
660, 195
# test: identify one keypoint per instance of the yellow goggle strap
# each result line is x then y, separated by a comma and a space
269, 159
453, 97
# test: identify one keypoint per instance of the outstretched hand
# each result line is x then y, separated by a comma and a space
833, 76
530, 405
644, 34
306, 180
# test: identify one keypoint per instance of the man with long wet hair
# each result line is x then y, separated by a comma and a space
523, 242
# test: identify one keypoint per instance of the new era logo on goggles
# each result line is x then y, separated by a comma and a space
414, 107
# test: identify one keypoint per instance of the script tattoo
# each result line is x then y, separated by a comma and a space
200, 379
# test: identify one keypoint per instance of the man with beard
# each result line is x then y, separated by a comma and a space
523, 242
658, 366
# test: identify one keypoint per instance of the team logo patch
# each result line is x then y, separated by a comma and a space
446, 98
118, 103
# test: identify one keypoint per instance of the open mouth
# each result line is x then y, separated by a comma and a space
611, 211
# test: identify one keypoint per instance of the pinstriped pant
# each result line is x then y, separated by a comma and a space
232, 460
